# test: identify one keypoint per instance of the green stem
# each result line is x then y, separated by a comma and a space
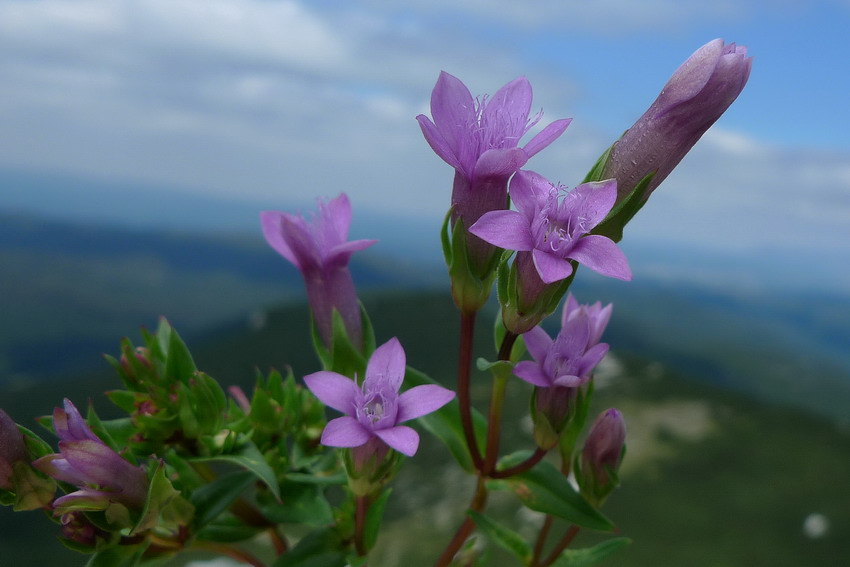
360, 525
479, 500
561, 546
467, 333
494, 423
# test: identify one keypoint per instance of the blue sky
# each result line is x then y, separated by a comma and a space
274, 103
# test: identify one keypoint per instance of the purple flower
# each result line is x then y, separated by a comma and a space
602, 454
597, 317
88, 463
566, 361
554, 227
320, 249
480, 138
12, 450
376, 409
697, 94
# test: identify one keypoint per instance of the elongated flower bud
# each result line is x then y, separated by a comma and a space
12, 449
602, 454
697, 94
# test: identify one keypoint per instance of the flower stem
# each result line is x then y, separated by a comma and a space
561, 546
527, 464
360, 525
467, 333
541, 540
479, 500
494, 429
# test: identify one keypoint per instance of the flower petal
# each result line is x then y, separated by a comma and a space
512, 100
336, 217
529, 191
271, 222
594, 200
401, 438
437, 142
532, 373
301, 240
387, 363
505, 229
568, 381
546, 136
538, 342
550, 268
345, 431
600, 254
499, 162
452, 109
422, 400
342, 253
334, 390
592, 357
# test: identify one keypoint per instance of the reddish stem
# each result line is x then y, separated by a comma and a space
561, 546
527, 464
479, 500
467, 333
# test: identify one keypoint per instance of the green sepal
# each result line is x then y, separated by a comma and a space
572, 431
301, 503
319, 548
35, 445
504, 537
445, 423
469, 290
595, 173
214, 498
343, 357
590, 555
248, 457
622, 213
119, 556
544, 489
374, 516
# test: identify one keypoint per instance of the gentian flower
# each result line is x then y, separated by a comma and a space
602, 455
697, 94
320, 249
103, 477
550, 230
553, 226
479, 138
12, 450
376, 410
561, 366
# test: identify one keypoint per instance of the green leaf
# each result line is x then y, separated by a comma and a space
212, 499
335, 479
613, 225
228, 529
179, 366
544, 489
506, 538
249, 458
595, 173
320, 548
119, 556
445, 423
374, 517
300, 504
591, 555
160, 494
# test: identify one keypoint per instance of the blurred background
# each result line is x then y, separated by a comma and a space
139, 139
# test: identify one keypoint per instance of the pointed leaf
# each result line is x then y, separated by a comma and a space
504, 537
591, 555
300, 504
544, 489
374, 517
320, 548
214, 498
249, 458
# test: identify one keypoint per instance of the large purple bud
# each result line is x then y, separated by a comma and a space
697, 94
602, 455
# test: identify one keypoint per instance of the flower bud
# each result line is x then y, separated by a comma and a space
697, 94
601, 456
12, 450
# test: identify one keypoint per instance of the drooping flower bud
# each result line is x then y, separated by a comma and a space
12, 450
697, 94
602, 455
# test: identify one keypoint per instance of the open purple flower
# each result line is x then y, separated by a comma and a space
376, 409
597, 316
480, 139
554, 227
697, 94
85, 461
320, 249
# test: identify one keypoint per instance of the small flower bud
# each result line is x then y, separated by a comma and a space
601, 456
